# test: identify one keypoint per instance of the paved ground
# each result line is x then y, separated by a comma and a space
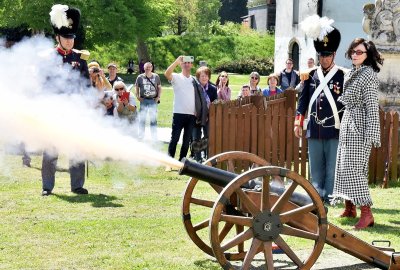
330, 259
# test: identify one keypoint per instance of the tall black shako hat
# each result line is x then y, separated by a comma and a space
65, 20
326, 37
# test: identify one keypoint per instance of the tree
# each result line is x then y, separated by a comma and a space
102, 21
233, 10
193, 15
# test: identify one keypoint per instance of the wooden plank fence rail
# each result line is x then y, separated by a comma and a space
264, 126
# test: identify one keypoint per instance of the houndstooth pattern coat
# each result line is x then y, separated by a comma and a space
359, 130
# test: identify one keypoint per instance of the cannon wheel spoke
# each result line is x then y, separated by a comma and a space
238, 239
288, 251
195, 231
269, 259
284, 198
265, 205
255, 244
248, 202
299, 233
244, 221
201, 225
205, 203
239, 230
231, 165
218, 189
225, 230
297, 213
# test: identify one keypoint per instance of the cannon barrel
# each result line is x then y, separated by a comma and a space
222, 178
206, 173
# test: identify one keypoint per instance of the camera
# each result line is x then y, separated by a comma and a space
96, 70
189, 59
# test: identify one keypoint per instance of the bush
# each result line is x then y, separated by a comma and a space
264, 66
215, 50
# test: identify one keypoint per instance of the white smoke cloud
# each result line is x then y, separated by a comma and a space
46, 110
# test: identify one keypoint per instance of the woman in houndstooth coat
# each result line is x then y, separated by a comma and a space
359, 131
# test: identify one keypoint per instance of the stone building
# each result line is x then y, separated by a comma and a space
284, 16
290, 40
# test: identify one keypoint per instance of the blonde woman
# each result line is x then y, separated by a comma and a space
223, 90
254, 81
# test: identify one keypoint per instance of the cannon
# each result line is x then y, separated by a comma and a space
251, 215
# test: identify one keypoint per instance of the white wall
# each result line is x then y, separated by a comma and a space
260, 17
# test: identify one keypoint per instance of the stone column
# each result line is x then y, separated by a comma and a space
382, 23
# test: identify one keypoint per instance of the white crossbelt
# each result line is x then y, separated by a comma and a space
323, 86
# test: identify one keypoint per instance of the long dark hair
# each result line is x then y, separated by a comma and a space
373, 56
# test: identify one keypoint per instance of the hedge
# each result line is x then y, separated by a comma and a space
217, 51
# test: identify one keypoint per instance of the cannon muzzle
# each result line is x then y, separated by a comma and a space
206, 173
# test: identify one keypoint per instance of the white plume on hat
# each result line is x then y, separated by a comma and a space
316, 27
58, 16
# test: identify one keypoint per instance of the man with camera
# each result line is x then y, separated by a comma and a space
97, 78
148, 92
190, 106
65, 31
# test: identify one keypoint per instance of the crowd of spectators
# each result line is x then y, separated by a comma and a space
192, 98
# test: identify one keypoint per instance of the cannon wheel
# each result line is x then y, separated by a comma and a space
270, 220
229, 159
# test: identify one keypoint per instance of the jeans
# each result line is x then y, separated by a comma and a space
148, 106
49, 167
181, 121
322, 156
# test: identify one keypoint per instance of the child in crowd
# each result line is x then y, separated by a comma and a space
244, 91
109, 105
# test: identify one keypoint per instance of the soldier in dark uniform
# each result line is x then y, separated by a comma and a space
65, 21
319, 113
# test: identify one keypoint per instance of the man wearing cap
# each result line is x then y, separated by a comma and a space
65, 21
112, 74
318, 111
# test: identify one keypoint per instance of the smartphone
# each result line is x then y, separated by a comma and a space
125, 95
187, 58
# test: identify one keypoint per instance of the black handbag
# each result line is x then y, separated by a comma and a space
200, 145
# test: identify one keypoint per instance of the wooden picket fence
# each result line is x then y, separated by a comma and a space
264, 126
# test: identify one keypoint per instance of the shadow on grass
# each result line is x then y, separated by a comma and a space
97, 200
278, 264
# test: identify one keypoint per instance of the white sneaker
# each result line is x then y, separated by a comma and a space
168, 169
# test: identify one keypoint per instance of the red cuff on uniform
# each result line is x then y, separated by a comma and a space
299, 120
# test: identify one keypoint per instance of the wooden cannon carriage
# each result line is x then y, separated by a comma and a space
245, 222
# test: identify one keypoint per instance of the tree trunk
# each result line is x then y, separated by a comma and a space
142, 52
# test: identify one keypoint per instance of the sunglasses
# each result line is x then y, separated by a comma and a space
254, 78
358, 52
119, 89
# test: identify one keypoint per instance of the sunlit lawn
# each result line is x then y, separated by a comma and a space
130, 220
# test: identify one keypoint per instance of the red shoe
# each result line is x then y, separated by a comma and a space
350, 210
366, 219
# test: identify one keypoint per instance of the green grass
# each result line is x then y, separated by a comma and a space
130, 220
